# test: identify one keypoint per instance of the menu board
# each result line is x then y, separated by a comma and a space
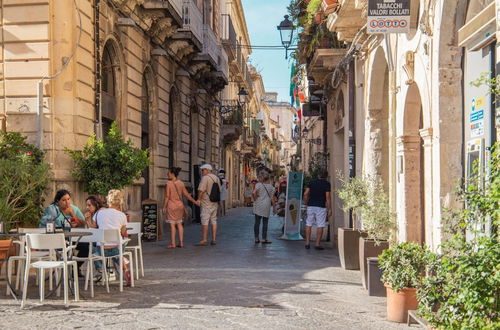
150, 220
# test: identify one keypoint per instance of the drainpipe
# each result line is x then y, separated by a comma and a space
98, 78
393, 90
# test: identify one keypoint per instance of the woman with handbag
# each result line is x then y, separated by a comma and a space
263, 195
174, 208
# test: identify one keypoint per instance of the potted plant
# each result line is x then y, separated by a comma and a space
353, 193
403, 268
111, 163
379, 223
24, 176
462, 286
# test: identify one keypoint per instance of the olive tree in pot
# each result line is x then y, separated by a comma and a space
353, 193
379, 223
403, 269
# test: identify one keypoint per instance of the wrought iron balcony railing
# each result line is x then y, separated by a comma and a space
231, 112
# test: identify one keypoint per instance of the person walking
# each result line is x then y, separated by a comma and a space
173, 206
209, 198
263, 196
317, 198
224, 184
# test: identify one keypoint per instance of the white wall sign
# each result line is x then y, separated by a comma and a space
388, 16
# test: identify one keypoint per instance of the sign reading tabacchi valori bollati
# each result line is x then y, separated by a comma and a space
388, 16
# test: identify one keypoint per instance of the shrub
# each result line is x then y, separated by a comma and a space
462, 289
24, 176
112, 163
403, 265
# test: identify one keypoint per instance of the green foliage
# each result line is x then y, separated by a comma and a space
462, 289
112, 163
403, 265
312, 8
493, 84
366, 197
23, 178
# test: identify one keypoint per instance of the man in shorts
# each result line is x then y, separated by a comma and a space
208, 212
317, 197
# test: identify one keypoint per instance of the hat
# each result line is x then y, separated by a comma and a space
206, 167
222, 171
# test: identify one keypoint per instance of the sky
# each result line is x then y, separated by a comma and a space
263, 16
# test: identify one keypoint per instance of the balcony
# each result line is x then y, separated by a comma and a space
325, 58
250, 142
232, 121
228, 37
348, 20
173, 7
192, 24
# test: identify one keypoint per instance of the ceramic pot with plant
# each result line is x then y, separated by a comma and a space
403, 268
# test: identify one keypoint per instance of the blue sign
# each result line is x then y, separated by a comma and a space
475, 116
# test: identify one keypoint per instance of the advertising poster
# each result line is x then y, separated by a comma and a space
293, 206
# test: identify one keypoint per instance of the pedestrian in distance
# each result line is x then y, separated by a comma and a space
317, 198
224, 184
248, 194
209, 197
173, 206
263, 196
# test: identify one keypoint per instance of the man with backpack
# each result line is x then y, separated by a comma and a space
209, 196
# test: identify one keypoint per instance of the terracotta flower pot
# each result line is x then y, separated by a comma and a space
399, 303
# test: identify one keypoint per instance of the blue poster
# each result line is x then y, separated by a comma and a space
293, 206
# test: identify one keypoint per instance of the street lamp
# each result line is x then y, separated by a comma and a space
286, 29
242, 96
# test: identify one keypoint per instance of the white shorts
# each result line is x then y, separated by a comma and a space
208, 214
316, 216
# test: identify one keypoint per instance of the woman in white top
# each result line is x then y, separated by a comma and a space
111, 218
263, 199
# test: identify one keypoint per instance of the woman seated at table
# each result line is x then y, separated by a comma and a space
62, 212
111, 218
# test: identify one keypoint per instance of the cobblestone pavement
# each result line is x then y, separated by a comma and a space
233, 285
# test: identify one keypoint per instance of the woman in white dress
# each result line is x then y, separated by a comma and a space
263, 199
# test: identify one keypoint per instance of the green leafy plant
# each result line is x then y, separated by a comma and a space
24, 176
403, 265
112, 163
462, 289
366, 197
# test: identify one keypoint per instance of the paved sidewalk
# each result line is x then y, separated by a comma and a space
233, 285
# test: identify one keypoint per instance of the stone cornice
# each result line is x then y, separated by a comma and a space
407, 142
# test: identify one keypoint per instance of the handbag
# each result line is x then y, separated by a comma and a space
185, 214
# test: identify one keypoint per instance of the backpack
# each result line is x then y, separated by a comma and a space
214, 195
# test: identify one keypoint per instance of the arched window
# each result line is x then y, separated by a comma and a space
109, 92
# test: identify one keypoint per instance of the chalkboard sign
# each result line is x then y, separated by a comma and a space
150, 220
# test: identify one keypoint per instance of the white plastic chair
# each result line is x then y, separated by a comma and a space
96, 237
21, 258
114, 235
134, 228
51, 242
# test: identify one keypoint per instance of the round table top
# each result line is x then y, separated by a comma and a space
66, 234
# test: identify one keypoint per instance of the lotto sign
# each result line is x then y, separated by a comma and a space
388, 16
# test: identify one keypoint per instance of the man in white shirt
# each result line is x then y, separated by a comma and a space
208, 208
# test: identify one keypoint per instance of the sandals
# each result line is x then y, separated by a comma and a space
201, 244
180, 245
213, 243
171, 246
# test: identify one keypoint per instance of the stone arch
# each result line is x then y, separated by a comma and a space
377, 119
113, 77
411, 173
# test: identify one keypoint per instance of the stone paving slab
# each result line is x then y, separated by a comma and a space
233, 285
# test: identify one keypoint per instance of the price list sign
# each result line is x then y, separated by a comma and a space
388, 16
150, 220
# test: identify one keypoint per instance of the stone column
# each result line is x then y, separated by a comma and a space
409, 207
427, 138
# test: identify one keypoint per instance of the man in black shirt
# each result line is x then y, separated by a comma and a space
317, 198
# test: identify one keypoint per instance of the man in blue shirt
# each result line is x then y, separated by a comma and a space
317, 198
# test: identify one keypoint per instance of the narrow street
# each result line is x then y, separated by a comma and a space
233, 285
